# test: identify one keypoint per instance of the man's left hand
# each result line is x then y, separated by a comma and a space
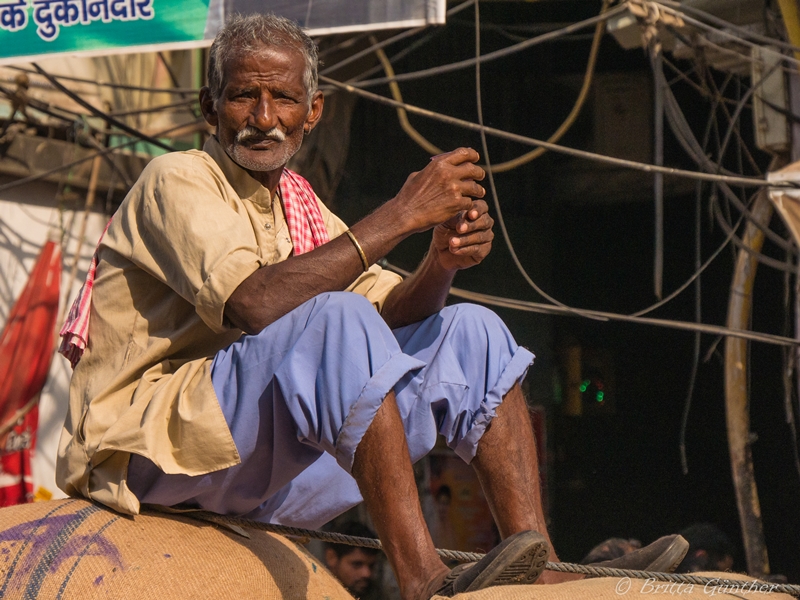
466, 239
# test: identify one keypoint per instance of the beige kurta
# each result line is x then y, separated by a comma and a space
193, 227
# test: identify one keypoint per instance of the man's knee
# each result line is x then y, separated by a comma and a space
473, 319
345, 307
351, 321
343, 301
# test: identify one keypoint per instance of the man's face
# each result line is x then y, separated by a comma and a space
354, 569
263, 111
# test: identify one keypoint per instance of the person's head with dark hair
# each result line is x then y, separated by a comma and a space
610, 549
444, 495
352, 565
709, 549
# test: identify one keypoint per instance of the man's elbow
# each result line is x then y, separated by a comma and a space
246, 318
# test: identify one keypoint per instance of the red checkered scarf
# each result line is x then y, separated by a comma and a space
302, 213
306, 228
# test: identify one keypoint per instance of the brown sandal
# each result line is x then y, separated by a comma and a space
517, 560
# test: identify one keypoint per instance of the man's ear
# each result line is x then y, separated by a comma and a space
314, 113
207, 106
331, 558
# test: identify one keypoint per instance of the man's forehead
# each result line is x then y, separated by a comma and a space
286, 63
359, 555
283, 58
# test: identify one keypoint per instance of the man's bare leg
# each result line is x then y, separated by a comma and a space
390, 495
507, 465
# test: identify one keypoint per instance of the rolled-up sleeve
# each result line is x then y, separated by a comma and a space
187, 235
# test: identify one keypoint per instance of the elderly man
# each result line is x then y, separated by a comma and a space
248, 357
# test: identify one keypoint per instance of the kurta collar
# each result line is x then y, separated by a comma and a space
245, 185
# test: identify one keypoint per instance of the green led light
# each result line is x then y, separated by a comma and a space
600, 396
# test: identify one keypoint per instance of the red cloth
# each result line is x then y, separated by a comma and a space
26, 350
306, 228
302, 213
75, 331
16, 453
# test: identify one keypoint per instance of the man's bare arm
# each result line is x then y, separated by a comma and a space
437, 194
460, 243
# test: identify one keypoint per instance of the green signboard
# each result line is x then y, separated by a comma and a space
33, 29
36, 28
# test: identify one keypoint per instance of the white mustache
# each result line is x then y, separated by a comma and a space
253, 134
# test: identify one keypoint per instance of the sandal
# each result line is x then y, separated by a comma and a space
517, 560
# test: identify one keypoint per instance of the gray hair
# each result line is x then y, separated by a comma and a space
243, 35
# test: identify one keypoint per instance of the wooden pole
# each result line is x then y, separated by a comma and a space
737, 409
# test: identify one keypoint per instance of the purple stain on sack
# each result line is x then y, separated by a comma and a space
99, 580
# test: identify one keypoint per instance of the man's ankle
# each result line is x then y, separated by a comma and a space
424, 587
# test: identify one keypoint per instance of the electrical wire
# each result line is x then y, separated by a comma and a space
722, 32
686, 8
46, 109
576, 108
737, 130
551, 309
463, 64
493, 188
154, 109
772, 236
41, 107
698, 317
699, 267
99, 113
760, 257
685, 136
574, 152
348, 42
788, 369
415, 45
121, 86
372, 48
40, 176
694, 276
402, 116
388, 41
534, 29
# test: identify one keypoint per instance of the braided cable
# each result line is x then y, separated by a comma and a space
456, 555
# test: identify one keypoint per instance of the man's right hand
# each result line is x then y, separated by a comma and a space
444, 188
434, 195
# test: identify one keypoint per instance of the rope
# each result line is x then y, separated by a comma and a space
457, 555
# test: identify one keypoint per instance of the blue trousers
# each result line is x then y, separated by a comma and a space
299, 396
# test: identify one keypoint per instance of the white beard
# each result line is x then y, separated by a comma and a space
263, 160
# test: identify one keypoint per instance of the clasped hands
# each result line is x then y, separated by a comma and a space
449, 198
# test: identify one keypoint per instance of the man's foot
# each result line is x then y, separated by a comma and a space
519, 559
664, 555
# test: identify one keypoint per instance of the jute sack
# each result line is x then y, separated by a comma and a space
612, 588
76, 550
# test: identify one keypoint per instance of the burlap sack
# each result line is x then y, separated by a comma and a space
75, 550
609, 588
